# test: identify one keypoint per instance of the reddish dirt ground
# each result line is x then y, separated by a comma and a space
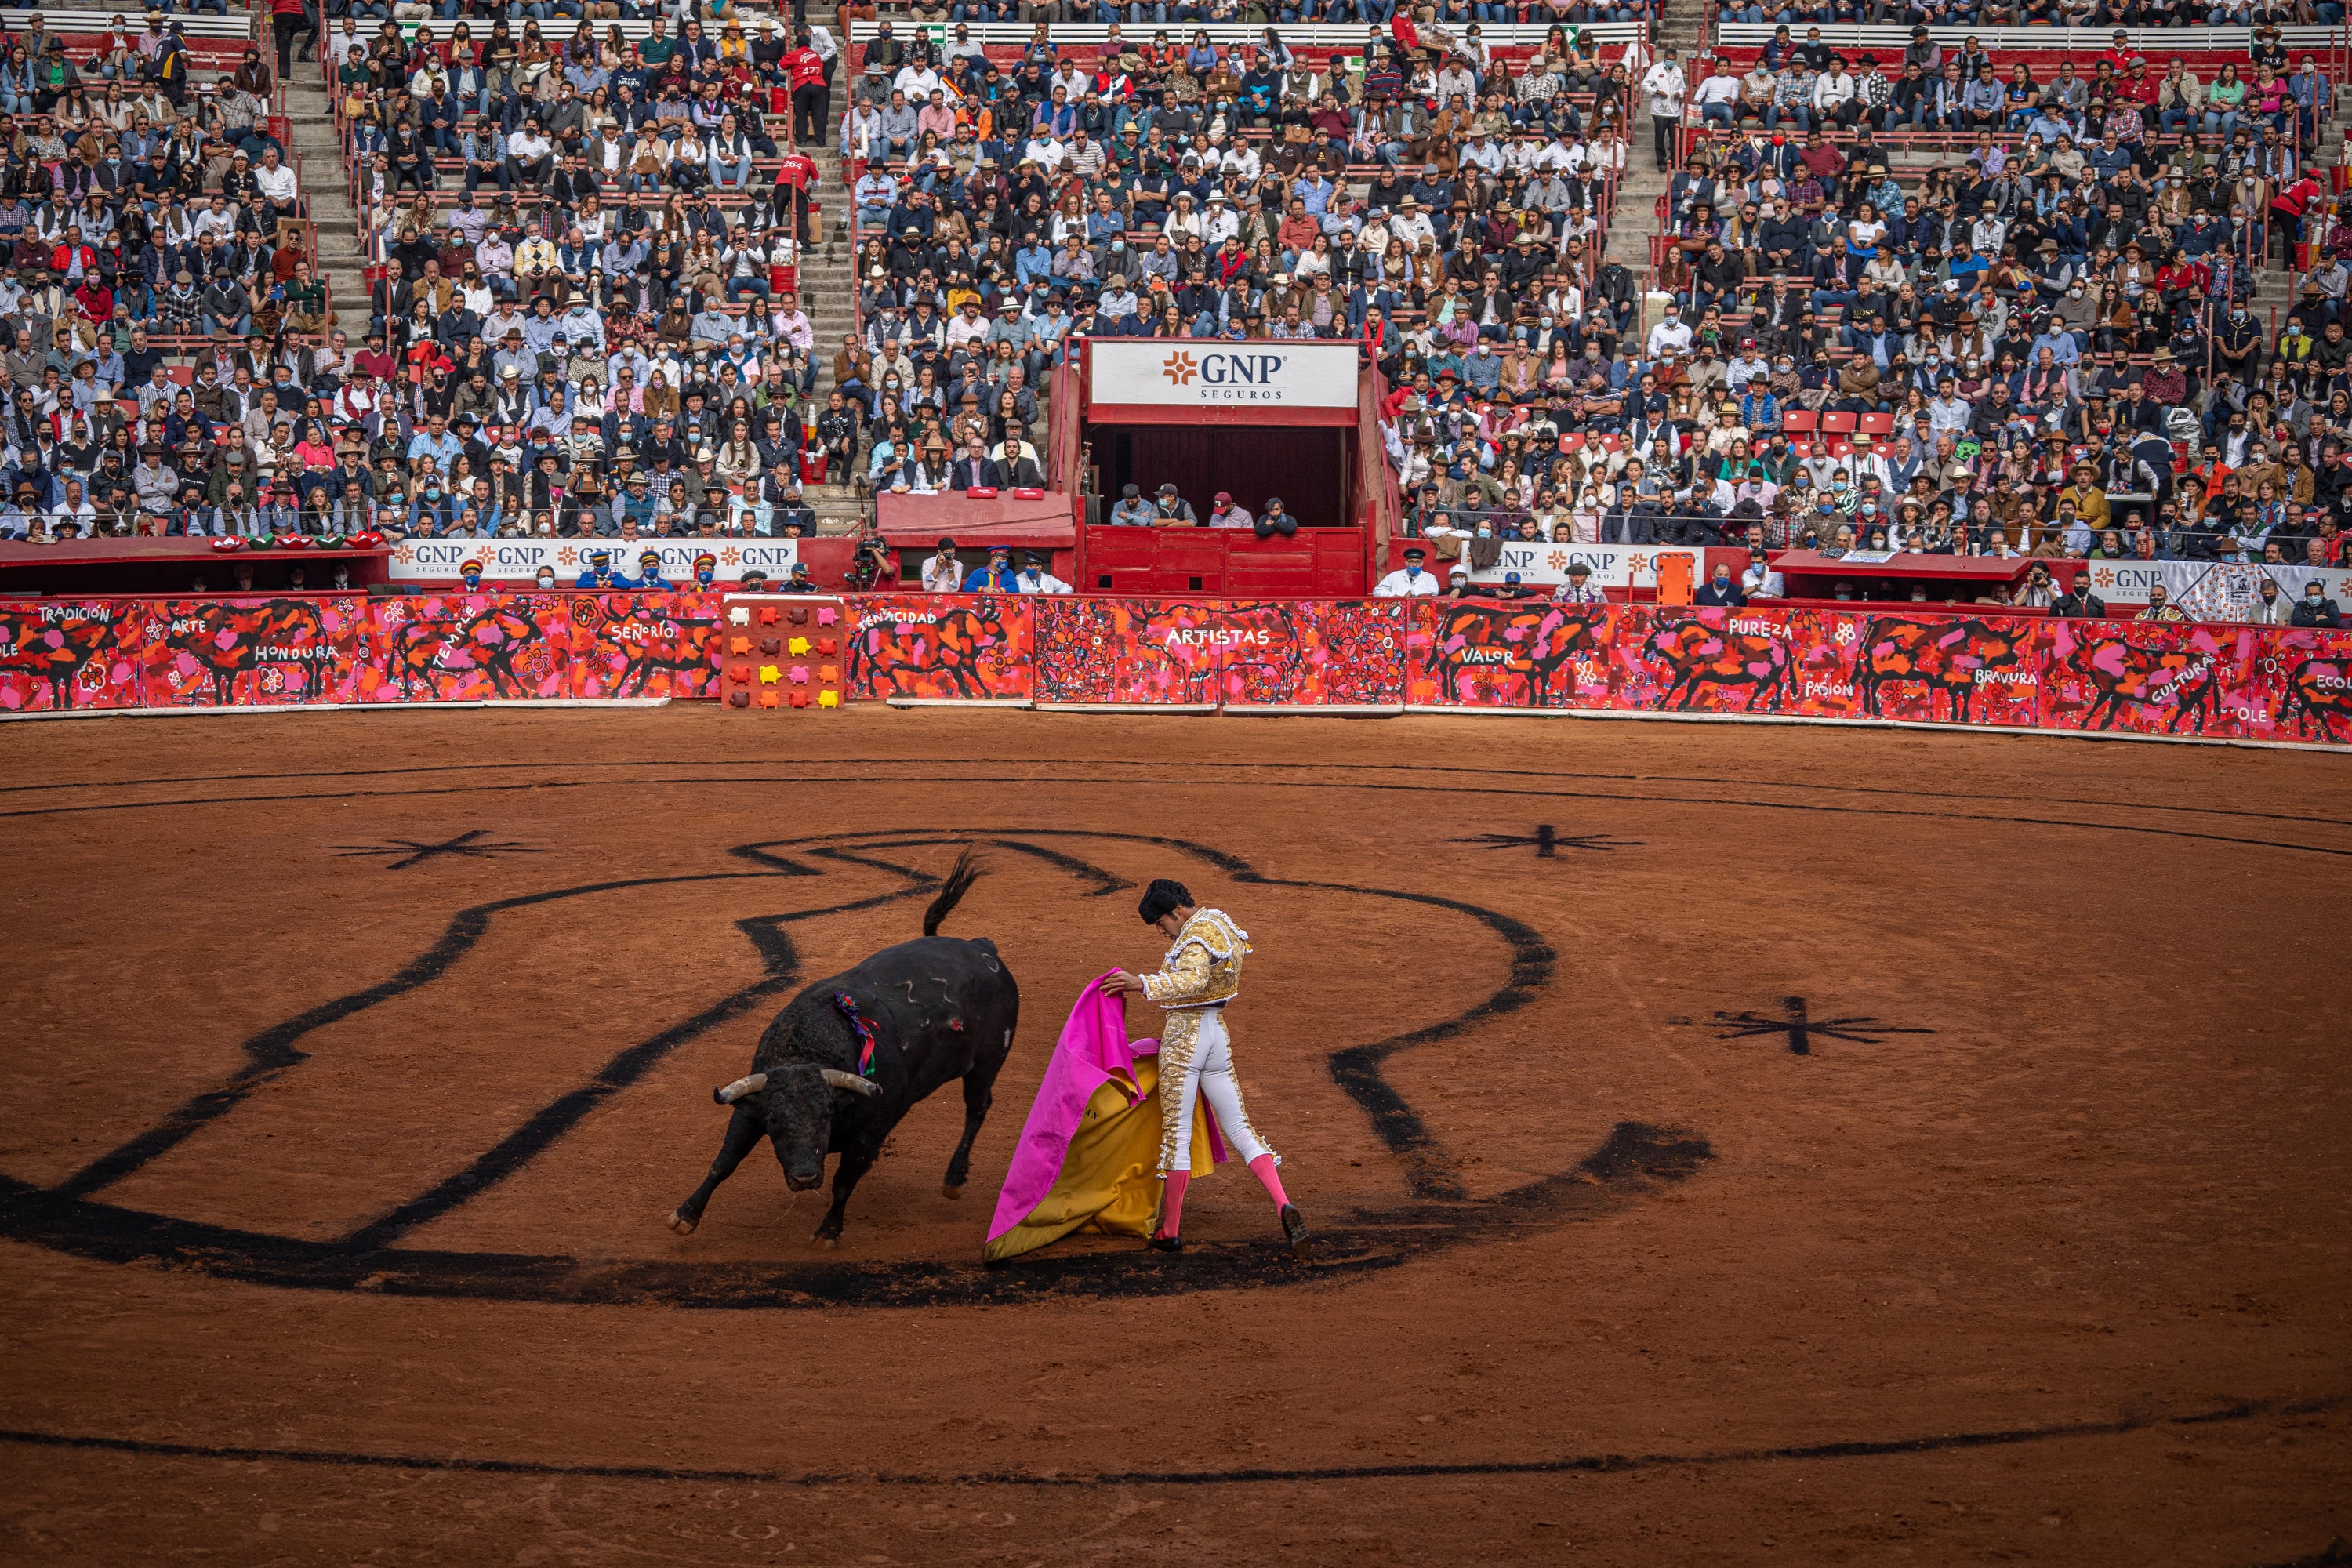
2061, 1281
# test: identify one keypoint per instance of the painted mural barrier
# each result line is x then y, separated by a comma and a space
2015, 671
941, 648
262, 651
2205, 679
1219, 652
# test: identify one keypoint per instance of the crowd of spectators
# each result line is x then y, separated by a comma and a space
142, 212
2043, 342
583, 319
586, 318
1419, 192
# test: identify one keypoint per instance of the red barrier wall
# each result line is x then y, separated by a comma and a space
1334, 653
2177, 679
264, 651
940, 647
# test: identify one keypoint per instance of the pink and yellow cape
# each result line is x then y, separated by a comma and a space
1089, 1154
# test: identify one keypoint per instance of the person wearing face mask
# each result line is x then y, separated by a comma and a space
1720, 591
600, 573
433, 511
2271, 608
545, 579
1409, 580
1033, 577
471, 573
2316, 609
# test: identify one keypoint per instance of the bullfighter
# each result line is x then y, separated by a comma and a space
1199, 974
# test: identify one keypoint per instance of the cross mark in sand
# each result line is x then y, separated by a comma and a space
410, 851
1800, 1026
1548, 842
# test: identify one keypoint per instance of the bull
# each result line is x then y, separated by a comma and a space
2319, 692
2186, 680
1942, 656
931, 1010
1698, 657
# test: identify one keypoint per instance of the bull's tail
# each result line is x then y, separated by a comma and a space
951, 891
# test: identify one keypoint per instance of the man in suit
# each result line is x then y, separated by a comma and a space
974, 470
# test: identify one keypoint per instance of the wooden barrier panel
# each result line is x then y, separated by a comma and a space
2217, 681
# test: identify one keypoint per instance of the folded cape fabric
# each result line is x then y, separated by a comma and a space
1089, 1153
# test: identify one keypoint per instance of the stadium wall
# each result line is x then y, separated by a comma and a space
2191, 680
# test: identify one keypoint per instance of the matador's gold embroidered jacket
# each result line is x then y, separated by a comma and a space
1203, 967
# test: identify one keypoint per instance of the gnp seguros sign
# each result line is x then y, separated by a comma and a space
1195, 373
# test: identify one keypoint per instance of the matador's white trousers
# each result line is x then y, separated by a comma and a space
1210, 1076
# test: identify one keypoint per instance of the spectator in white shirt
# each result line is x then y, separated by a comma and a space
1671, 333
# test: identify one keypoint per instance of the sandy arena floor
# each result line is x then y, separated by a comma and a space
354, 1061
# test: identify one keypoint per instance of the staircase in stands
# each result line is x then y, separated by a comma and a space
1635, 221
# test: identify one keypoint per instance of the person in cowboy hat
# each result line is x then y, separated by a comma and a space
649, 572
600, 573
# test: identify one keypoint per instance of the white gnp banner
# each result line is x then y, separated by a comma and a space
518, 560
1611, 566
1193, 372
2229, 592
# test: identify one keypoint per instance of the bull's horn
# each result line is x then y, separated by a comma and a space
849, 1081
740, 1087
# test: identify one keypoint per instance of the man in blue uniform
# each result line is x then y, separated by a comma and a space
996, 577
600, 573
649, 572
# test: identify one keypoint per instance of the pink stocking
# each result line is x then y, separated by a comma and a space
1263, 1168
1171, 1201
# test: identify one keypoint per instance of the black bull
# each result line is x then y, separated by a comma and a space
942, 1008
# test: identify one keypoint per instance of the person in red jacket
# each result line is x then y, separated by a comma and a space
73, 258
287, 19
812, 98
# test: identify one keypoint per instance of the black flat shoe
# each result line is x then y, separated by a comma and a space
1166, 1244
1294, 1225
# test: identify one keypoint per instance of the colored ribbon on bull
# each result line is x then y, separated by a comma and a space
847, 1005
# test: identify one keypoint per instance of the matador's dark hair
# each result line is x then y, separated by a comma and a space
1163, 897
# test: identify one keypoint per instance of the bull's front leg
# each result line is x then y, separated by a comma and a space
853, 1165
744, 1131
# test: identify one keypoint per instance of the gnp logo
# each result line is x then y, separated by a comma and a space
1227, 377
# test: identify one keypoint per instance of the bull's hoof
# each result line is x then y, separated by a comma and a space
824, 1243
952, 1189
680, 1224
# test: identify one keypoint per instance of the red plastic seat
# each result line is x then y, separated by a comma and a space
1877, 425
1798, 420
1835, 422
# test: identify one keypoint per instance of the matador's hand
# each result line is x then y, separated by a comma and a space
1122, 984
